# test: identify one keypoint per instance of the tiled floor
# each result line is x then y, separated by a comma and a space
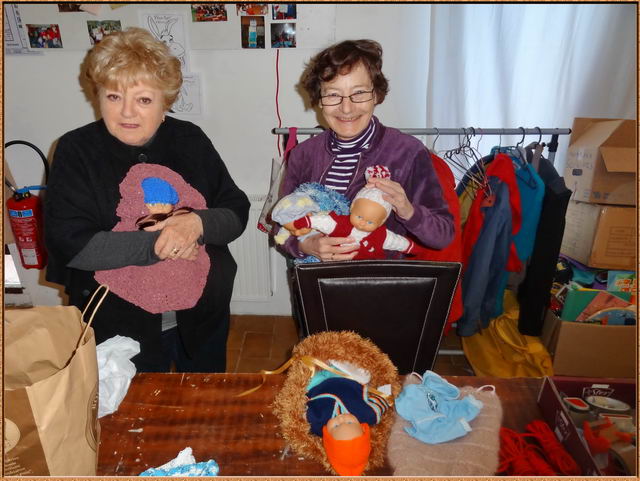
265, 342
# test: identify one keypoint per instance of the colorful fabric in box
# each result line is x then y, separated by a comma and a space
166, 285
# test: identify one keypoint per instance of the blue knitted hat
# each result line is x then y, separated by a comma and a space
159, 191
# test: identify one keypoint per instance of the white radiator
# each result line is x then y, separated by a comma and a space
251, 252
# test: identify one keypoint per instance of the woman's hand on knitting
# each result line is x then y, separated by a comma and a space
394, 194
178, 237
328, 248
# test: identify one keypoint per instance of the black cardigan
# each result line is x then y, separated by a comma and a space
82, 196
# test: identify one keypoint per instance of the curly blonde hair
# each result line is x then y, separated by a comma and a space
123, 59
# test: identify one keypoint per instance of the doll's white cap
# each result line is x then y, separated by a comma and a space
374, 193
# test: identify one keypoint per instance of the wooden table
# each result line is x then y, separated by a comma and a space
165, 413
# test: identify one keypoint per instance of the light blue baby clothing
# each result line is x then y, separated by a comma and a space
434, 410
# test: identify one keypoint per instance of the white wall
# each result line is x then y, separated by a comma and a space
43, 99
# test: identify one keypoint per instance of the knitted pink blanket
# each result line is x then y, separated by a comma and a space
167, 285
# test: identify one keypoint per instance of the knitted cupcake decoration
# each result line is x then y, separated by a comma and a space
166, 285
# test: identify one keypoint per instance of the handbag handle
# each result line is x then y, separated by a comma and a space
93, 312
292, 141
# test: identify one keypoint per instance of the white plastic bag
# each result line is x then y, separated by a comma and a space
115, 371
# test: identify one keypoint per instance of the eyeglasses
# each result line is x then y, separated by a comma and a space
357, 98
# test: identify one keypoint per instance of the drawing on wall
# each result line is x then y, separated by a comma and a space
252, 31
99, 28
252, 8
16, 41
283, 35
44, 35
283, 11
188, 101
168, 28
208, 12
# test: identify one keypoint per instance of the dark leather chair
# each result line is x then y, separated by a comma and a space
401, 305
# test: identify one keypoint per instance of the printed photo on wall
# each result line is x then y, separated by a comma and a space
208, 12
283, 35
283, 11
69, 7
188, 101
252, 31
99, 28
252, 8
170, 29
44, 35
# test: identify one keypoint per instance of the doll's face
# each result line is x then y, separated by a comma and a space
367, 215
344, 427
159, 208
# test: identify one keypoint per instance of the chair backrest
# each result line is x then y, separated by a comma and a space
401, 305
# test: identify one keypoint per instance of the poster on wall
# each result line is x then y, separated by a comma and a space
283, 11
99, 28
170, 29
15, 35
45, 35
283, 35
252, 32
208, 12
252, 9
189, 98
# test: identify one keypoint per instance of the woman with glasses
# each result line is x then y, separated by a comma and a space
346, 82
142, 202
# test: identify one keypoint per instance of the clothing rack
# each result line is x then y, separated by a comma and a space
553, 145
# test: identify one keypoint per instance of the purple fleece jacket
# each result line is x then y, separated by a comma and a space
410, 165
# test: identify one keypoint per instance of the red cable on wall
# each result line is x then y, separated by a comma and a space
277, 92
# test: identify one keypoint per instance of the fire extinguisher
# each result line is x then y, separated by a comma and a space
25, 217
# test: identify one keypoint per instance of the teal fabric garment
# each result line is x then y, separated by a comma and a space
318, 377
531, 189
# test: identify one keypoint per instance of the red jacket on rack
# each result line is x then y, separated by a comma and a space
453, 252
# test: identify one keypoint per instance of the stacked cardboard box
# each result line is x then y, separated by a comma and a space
601, 171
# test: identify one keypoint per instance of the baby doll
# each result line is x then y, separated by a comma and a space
160, 198
307, 198
327, 410
365, 223
341, 411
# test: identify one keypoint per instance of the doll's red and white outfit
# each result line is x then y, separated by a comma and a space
370, 245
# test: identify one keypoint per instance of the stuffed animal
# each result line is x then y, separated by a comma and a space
347, 396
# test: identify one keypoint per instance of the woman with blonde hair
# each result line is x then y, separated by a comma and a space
171, 275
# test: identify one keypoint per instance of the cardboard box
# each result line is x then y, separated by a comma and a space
591, 350
600, 235
556, 414
601, 161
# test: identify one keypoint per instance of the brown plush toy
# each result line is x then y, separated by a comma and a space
290, 404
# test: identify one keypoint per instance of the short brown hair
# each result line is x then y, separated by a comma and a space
122, 59
339, 59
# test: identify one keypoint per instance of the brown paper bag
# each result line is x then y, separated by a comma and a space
50, 392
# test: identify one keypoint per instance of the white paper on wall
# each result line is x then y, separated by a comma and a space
15, 35
168, 27
189, 98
